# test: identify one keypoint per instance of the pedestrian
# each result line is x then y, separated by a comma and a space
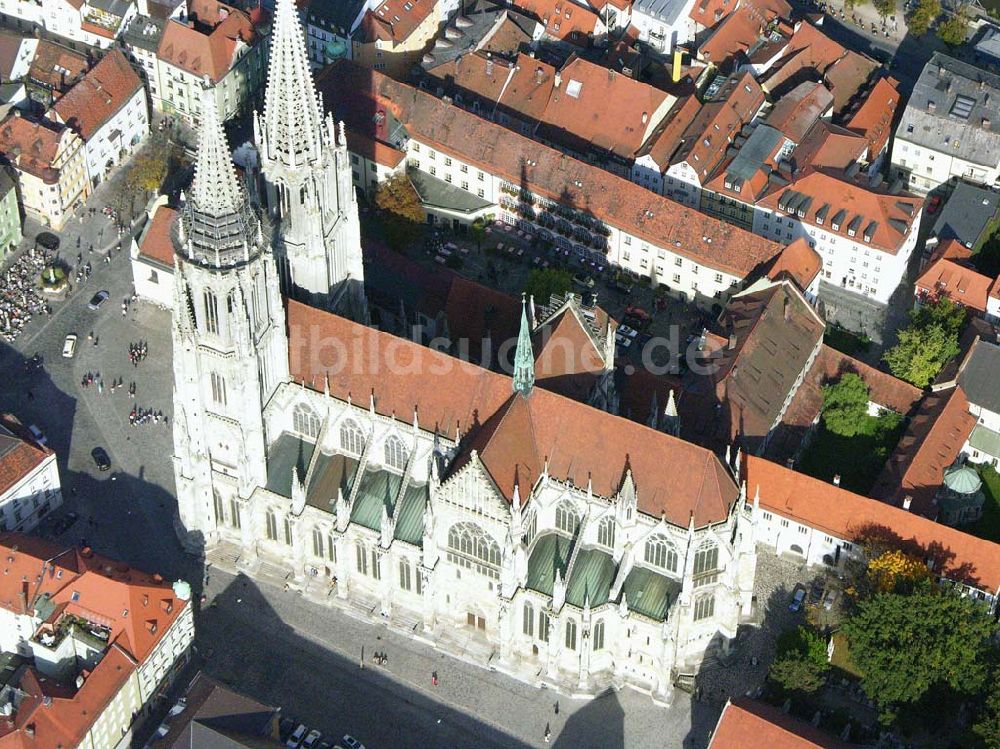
548, 733
362, 662
434, 678
557, 707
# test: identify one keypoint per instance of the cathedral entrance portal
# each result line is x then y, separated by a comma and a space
475, 621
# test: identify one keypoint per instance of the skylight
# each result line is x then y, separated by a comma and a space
573, 89
962, 107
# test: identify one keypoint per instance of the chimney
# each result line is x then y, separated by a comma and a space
732, 341
836, 479
79, 681
539, 74
675, 68
787, 309
489, 63
558, 79
907, 501
931, 106
645, 117
986, 122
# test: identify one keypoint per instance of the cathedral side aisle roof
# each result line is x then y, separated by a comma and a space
580, 444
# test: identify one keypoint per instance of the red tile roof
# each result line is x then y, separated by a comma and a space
567, 359
852, 517
360, 94
740, 29
137, 608
32, 146
873, 117
108, 87
887, 219
748, 724
56, 66
957, 281
798, 110
809, 49
931, 442
718, 123
563, 19
374, 150
707, 13
798, 262
207, 51
156, 243
394, 20
667, 137
580, 444
19, 453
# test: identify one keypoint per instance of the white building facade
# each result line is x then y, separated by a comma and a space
29, 495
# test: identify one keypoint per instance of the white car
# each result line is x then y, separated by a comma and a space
37, 434
628, 332
311, 739
296, 738
69, 346
350, 742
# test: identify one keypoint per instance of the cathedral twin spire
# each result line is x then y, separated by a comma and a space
291, 132
217, 226
524, 357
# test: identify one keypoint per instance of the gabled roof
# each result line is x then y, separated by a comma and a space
32, 146
798, 110
798, 262
740, 29
956, 281
563, 19
873, 117
748, 724
931, 442
828, 146
569, 357
207, 51
155, 242
852, 517
841, 207
19, 453
773, 332
978, 377
57, 67
393, 20
578, 443
108, 87
666, 139
358, 95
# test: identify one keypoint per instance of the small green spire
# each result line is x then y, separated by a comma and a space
524, 358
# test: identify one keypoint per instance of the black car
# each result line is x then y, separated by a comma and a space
64, 523
101, 459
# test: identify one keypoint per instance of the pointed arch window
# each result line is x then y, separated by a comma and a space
571, 634
305, 421
317, 542
528, 620
220, 510
530, 527
659, 552
218, 388
543, 626
606, 532
598, 638
211, 308
288, 532
706, 564
469, 546
352, 439
234, 514
272, 526
567, 518
395, 453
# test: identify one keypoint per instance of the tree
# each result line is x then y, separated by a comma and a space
928, 343
403, 214
801, 664
885, 7
923, 16
906, 644
954, 30
896, 571
544, 282
987, 727
845, 406
478, 231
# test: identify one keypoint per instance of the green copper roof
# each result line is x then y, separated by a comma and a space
962, 480
288, 451
410, 521
550, 551
593, 573
378, 488
985, 440
650, 593
524, 356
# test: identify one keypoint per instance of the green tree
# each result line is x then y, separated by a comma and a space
845, 406
923, 16
544, 282
478, 231
954, 30
403, 215
928, 343
801, 664
987, 726
906, 644
885, 7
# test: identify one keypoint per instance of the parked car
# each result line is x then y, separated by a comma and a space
37, 434
797, 598
583, 281
311, 739
69, 346
98, 299
934, 204
296, 738
350, 742
628, 332
64, 523
101, 459
831, 597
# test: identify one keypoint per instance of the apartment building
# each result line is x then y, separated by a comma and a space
29, 488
